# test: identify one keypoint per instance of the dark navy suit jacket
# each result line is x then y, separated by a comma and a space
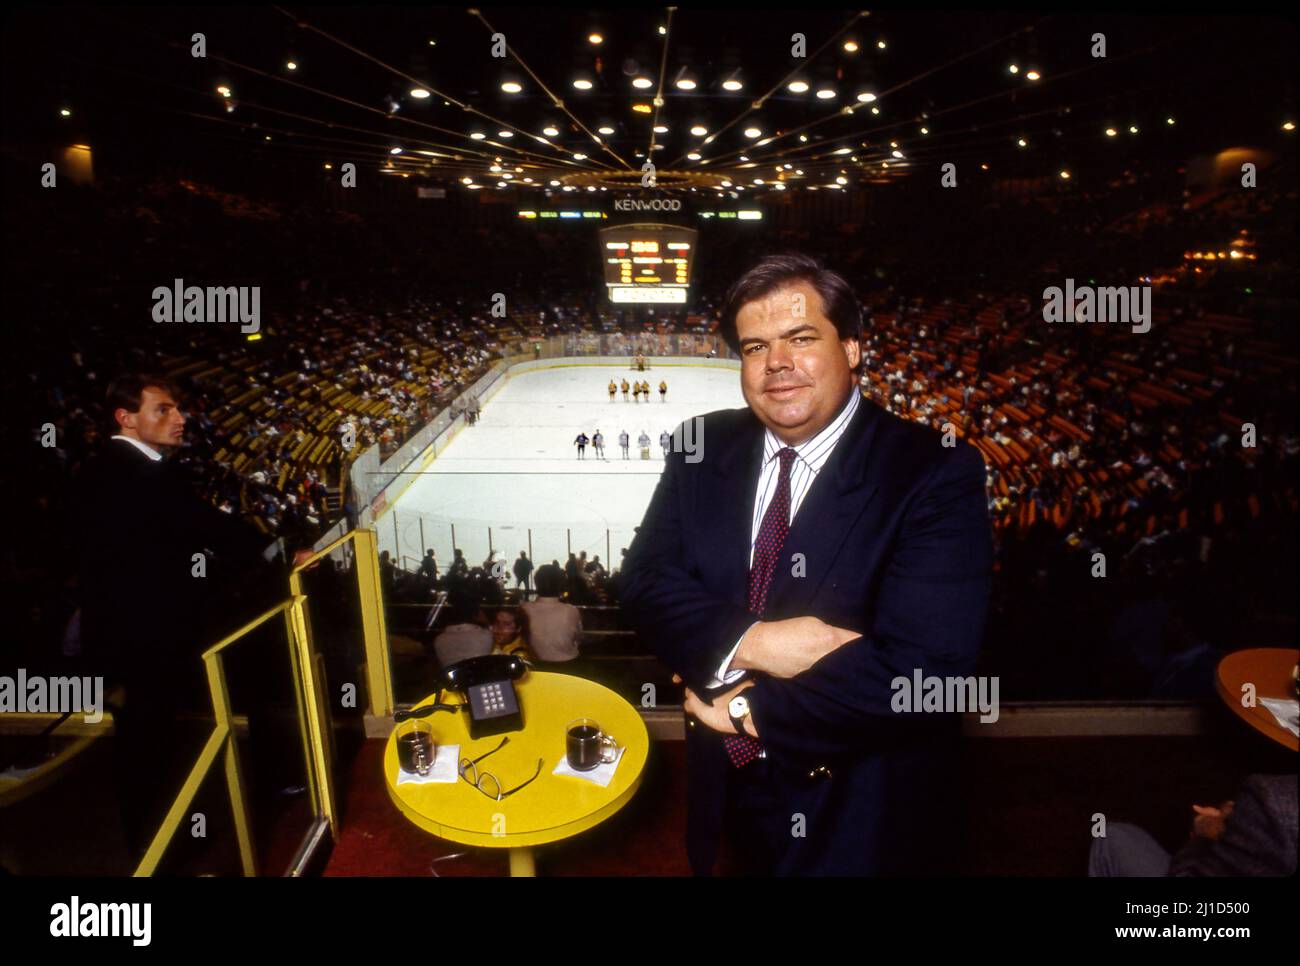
896, 544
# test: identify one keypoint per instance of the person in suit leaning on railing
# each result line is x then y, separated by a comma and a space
152, 556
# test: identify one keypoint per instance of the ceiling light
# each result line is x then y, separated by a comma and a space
512, 87
826, 93
797, 86
866, 97
850, 46
419, 93
752, 132
595, 39
582, 84
641, 83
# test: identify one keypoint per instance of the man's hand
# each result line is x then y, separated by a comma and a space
1209, 821
301, 556
715, 715
786, 648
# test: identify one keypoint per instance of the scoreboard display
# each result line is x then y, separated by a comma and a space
647, 262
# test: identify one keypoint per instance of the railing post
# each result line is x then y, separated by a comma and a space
379, 672
315, 712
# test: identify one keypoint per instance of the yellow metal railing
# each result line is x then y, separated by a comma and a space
221, 743
374, 628
312, 704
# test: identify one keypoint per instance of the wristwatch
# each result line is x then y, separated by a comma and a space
738, 711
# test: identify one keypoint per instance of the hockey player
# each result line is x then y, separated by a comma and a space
665, 442
625, 388
663, 390
613, 388
623, 442
581, 443
644, 442
598, 443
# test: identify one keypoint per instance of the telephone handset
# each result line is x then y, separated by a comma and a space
488, 685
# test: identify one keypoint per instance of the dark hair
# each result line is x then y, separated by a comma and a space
127, 392
549, 580
521, 620
775, 272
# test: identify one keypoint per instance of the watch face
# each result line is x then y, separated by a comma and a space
738, 706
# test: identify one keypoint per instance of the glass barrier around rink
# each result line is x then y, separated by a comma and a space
416, 592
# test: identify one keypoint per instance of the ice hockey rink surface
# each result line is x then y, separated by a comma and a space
517, 468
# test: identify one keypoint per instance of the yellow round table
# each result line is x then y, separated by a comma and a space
553, 807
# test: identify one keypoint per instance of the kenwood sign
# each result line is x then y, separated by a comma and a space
659, 204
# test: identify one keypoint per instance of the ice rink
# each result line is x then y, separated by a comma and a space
516, 471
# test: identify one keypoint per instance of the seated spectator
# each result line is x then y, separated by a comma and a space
463, 636
553, 625
510, 633
1255, 835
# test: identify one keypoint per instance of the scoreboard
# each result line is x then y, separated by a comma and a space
648, 262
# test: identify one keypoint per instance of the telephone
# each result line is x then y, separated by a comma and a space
487, 683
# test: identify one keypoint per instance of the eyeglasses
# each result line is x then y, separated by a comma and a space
487, 783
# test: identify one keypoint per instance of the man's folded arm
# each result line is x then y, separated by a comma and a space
690, 629
933, 600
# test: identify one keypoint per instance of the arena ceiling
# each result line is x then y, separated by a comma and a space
540, 99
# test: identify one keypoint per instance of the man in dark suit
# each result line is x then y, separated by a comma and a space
145, 592
820, 551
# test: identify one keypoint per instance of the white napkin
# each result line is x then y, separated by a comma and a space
1286, 712
445, 761
601, 775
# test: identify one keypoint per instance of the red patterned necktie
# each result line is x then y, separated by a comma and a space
742, 749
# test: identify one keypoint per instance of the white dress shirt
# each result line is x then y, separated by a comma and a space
144, 448
810, 456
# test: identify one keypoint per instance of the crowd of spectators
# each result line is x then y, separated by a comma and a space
1096, 439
